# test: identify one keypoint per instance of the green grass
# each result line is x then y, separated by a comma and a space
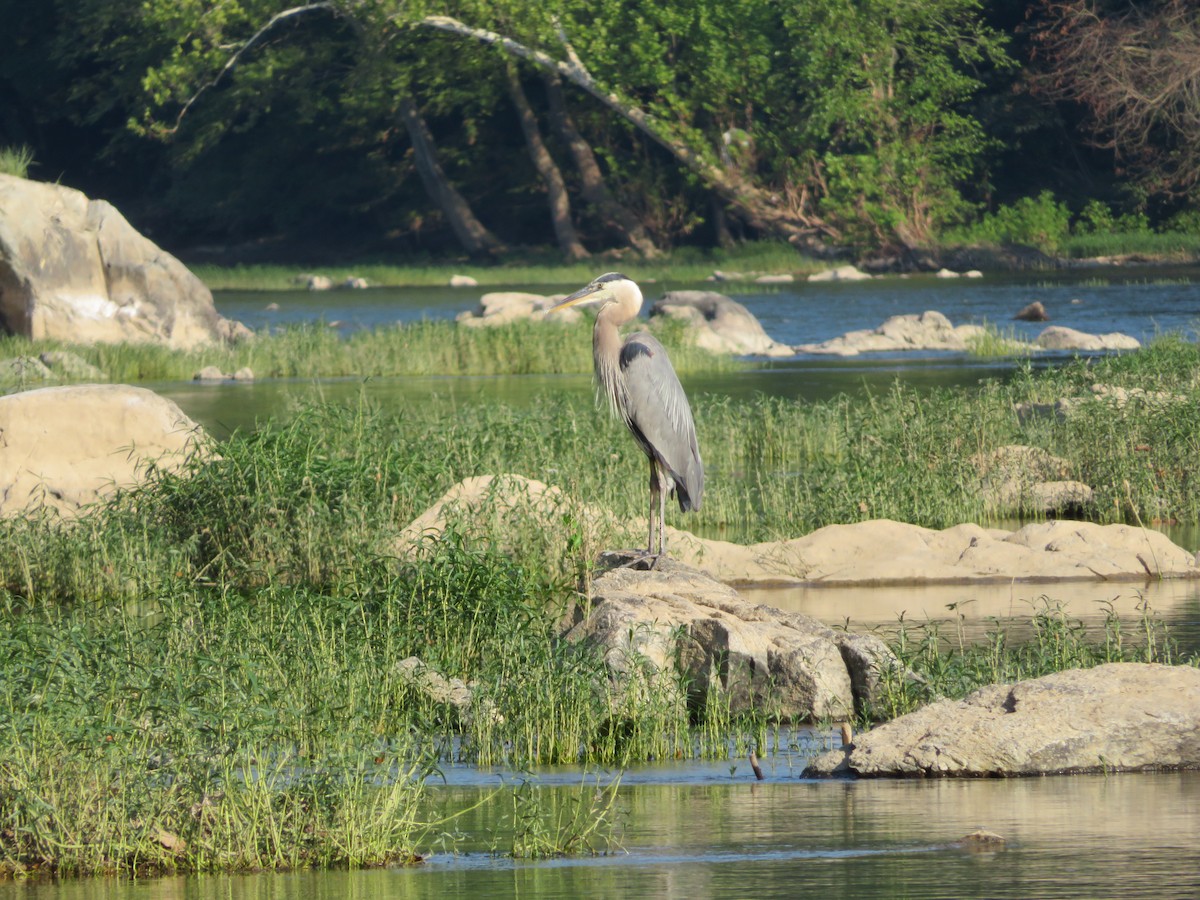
15, 161
681, 265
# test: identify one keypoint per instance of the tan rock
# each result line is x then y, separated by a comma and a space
928, 331
875, 552
1059, 337
66, 447
1115, 717
75, 270
504, 307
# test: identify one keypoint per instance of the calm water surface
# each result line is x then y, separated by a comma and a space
1079, 837
697, 829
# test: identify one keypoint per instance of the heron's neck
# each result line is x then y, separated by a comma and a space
606, 354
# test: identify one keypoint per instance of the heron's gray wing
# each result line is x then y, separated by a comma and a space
658, 412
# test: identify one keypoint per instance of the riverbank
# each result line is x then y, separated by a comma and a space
742, 263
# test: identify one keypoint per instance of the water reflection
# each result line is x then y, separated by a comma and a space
1085, 836
968, 611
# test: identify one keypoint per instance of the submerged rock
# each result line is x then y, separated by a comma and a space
504, 307
1058, 337
1033, 312
1116, 717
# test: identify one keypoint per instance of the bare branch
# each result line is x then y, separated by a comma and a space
245, 46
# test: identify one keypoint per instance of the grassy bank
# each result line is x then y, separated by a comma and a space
416, 348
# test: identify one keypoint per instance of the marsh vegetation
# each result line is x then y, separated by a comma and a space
204, 673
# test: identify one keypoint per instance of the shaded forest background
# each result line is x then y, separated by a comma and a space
258, 130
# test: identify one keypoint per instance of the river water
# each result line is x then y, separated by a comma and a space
700, 829
1137, 302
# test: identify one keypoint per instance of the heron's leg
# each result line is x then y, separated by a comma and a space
655, 496
662, 516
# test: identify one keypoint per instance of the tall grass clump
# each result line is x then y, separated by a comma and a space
16, 161
933, 661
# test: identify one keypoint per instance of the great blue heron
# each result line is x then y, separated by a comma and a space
642, 388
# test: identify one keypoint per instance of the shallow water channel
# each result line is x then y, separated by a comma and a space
708, 829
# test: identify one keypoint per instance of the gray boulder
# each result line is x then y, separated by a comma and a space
1116, 717
676, 622
73, 269
718, 323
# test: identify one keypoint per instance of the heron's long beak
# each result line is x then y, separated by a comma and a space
589, 294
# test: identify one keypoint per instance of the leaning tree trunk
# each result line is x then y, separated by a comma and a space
754, 204
612, 212
556, 188
474, 236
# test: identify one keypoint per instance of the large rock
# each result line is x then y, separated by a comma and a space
505, 307
718, 323
66, 447
675, 621
73, 269
876, 552
1030, 479
1116, 717
886, 552
1058, 337
928, 331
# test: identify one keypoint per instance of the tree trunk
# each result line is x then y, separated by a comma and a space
474, 236
612, 212
556, 188
720, 223
757, 206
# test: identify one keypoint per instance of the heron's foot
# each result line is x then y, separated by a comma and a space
640, 559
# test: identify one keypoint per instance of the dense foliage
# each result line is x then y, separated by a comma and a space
359, 128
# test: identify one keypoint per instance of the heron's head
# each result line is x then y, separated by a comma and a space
612, 289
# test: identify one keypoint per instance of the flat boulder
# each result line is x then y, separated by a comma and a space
930, 330
73, 269
677, 624
841, 273
1059, 337
64, 448
880, 551
718, 323
505, 307
1113, 718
